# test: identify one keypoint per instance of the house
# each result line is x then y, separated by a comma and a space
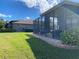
21, 25
9, 24
62, 17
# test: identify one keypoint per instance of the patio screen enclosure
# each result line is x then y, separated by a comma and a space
62, 17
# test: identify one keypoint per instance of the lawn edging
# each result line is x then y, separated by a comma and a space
55, 42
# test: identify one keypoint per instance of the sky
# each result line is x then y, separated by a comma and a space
25, 9
12, 10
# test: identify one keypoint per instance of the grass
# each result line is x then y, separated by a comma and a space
25, 46
14, 46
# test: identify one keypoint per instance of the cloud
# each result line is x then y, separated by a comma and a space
28, 18
5, 16
42, 5
29, 3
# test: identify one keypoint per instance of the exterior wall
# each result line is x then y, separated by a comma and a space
21, 27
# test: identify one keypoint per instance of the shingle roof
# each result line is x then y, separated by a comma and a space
24, 22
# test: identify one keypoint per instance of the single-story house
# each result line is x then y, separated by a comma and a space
21, 25
62, 17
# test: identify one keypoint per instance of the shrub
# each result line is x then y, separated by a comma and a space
6, 30
71, 38
2, 23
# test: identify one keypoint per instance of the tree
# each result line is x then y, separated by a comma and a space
2, 23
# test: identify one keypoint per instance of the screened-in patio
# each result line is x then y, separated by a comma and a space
62, 17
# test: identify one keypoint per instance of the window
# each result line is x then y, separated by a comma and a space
51, 23
56, 27
43, 19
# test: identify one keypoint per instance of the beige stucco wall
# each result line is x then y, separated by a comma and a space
22, 27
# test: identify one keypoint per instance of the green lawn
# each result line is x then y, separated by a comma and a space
25, 46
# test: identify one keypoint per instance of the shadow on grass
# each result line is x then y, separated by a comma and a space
43, 50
